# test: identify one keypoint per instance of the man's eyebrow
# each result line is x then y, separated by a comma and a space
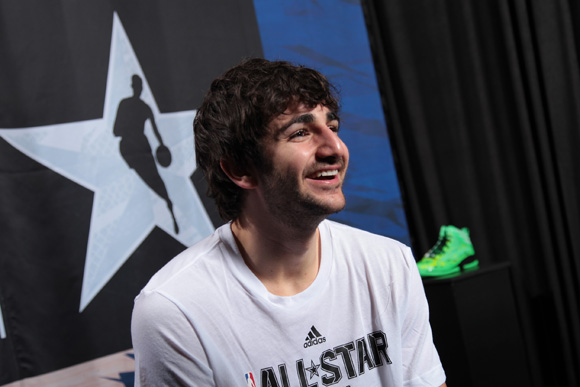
301, 119
332, 116
306, 118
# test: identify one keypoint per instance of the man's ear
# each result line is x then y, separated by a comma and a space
242, 178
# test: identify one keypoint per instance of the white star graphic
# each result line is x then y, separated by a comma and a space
2, 329
125, 209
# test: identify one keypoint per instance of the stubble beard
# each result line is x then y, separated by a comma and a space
293, 207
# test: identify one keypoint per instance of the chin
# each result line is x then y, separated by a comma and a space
328, 207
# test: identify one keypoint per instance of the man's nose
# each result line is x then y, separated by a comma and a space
330, 145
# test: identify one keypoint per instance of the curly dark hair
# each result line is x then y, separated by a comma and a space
232, 121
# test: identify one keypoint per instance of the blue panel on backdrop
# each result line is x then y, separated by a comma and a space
331, 36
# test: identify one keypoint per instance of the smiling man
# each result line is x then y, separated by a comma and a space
279, 296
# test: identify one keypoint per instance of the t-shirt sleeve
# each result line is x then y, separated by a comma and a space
421, 363
168, 351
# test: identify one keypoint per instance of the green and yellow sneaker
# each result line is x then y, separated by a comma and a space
452, 253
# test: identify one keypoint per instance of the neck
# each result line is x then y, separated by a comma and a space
284, 258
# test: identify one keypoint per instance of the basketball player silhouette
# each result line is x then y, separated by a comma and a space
132, 114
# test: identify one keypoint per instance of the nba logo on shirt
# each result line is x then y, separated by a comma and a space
250, 380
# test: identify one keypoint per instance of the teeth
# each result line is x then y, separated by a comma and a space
327, 173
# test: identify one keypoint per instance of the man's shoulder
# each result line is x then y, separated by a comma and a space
349, 234
372, 256
190, 264
368, 249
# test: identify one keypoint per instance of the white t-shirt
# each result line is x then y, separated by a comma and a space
206, 320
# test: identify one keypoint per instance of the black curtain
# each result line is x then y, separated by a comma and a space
482, 100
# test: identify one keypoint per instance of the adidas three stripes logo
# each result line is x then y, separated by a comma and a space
313, 338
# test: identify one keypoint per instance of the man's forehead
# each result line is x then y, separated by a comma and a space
300, 114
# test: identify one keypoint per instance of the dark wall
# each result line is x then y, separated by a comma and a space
482, 102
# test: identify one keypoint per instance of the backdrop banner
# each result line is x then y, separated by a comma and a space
97, 169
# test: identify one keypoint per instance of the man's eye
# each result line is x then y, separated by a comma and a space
298, 134
334, 128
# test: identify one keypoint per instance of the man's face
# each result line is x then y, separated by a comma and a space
307, 165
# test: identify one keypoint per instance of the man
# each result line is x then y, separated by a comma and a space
279, 296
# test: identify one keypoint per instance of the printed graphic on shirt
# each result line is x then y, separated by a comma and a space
250, 382
313, 338
343, 362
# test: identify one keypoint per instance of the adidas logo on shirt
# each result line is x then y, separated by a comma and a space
314, 337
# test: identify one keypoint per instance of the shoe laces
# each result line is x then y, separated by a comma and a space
439, 247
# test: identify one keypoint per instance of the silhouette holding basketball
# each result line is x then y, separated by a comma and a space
132, 114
